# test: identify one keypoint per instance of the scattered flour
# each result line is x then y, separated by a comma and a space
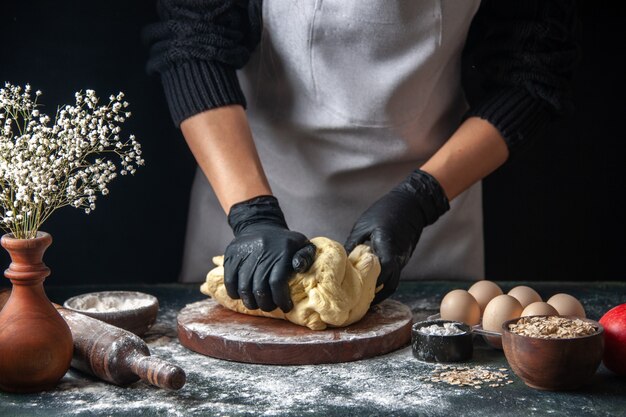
389, 385
198, 318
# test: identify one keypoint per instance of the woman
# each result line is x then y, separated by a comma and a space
355, 107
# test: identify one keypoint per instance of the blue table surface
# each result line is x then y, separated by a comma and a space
388, 385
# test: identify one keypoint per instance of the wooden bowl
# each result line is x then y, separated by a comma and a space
553, 364
130, 310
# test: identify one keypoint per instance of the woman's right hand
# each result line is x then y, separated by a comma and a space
262, 258
264, 255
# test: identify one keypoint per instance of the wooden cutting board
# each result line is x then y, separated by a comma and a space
208, 328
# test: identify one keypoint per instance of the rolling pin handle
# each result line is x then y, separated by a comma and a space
159, 372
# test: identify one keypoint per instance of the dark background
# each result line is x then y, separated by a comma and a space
555, 213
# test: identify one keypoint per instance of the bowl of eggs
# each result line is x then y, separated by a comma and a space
485, 307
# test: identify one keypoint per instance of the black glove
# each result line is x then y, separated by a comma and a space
394, 223
264, 255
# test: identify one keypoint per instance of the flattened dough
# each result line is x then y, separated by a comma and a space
336, 291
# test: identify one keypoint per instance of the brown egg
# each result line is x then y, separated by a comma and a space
500, 309
539, 308
459, 305
525, 295
484, 291
567, 305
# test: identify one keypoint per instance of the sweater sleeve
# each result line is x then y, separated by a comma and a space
522, 53
197, 46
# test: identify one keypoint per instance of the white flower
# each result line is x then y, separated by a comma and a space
46, 164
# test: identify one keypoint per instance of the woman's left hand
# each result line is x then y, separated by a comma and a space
394, 223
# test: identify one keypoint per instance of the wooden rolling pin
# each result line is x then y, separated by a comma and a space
113, 354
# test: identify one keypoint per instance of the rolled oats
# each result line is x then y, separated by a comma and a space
464, 376
552, 327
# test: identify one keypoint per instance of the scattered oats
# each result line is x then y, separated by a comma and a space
464, 376
552, 327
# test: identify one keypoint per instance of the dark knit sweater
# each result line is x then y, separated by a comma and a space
521, 52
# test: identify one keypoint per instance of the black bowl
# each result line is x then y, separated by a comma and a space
435, 348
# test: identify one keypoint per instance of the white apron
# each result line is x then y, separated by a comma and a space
346, 98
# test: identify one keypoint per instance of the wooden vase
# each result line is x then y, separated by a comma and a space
35, 342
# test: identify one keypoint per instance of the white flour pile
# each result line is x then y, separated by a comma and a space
447, 329
106, 302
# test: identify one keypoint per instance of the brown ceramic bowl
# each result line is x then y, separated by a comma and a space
553, 364
130, 310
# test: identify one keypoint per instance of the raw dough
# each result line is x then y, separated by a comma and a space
337, 291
